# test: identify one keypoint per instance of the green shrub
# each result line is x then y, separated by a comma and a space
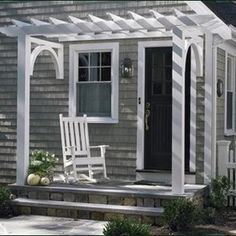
5, 207
124, 227
219, 189
180, 214
209, 215
4, 194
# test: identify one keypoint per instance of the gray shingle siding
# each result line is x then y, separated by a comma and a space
49, 96
200, 130
220, 100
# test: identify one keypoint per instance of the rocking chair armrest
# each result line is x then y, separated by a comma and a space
99, 146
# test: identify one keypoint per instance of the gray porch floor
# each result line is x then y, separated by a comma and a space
45, 225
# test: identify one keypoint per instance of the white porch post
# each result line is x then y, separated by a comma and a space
208, 103
23, 95
178, 111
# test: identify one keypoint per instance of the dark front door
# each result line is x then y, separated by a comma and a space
158, 108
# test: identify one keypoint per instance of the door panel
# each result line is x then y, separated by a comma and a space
158, 107
158, 93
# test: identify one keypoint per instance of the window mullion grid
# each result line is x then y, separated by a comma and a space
89, 67
230, 88
100, 67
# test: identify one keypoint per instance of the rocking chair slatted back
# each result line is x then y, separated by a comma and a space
74, 135
76, 148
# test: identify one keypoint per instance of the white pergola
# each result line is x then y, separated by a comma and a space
185, 31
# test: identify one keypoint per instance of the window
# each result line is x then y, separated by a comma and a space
94, 84
94, 79
230, 96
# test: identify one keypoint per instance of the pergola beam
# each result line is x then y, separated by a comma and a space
125, 24
147, 23
19, 23
38, 22
63, 29
87, 27
119, 35
105, 25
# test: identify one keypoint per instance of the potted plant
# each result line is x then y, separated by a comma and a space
41, 168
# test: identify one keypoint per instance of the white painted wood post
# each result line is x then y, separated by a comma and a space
178, 111
23, 106
223, 156
208, 103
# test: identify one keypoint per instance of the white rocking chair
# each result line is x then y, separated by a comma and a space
77, 151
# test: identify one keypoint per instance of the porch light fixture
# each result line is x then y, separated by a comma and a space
126, 68
220, 89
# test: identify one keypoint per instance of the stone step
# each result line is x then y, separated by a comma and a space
152, 197
164, 192
86, 210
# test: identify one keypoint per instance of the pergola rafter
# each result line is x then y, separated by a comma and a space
115, 25
184, 30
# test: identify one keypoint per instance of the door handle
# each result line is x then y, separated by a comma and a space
147, 114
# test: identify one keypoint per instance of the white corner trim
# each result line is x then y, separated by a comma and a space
74, 49
141, 95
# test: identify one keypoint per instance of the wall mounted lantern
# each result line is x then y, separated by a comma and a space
126, 68
220, 87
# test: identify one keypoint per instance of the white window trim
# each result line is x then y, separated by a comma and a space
229, 132
73, 78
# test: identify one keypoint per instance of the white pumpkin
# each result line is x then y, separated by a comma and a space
33, 179
45, 181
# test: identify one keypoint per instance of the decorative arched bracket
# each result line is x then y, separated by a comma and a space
56, 52
197, 47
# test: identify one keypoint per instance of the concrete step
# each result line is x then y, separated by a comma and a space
86, 210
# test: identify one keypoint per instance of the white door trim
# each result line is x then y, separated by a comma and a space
141, 95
